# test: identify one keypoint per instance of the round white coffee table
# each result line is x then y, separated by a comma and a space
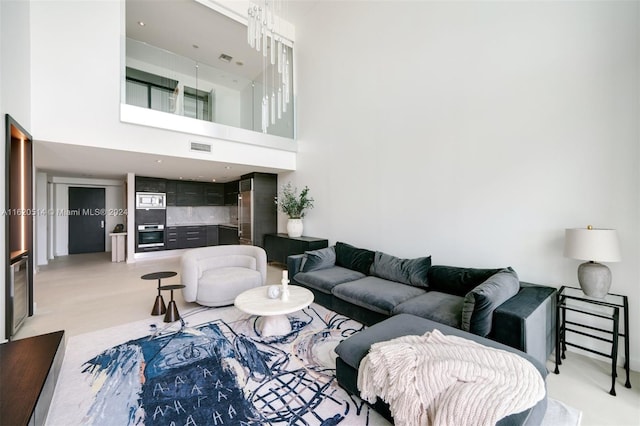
273, 319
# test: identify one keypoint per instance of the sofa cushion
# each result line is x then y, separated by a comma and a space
455, 280
211, 291
479, 303
325, 279
406, 271
376, 294
318, 259
354, 258
436, 306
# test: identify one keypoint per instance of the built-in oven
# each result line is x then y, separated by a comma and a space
150, 236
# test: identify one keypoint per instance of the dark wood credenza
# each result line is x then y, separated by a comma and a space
279, 246
29, 370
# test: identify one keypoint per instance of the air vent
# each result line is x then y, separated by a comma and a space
200, 147
225, 58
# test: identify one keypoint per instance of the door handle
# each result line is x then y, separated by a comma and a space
102, 224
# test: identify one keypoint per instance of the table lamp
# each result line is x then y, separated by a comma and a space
594, 245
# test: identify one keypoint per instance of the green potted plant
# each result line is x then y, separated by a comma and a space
294, 205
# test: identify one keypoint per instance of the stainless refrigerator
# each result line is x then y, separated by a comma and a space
257, 214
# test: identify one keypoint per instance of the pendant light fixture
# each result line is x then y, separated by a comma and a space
263, 35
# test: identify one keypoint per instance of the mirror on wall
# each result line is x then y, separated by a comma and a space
185, 58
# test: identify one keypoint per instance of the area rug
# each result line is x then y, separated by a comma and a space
213, 368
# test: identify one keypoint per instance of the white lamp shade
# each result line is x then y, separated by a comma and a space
598, 245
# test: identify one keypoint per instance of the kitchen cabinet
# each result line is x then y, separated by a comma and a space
171, 237
231, 193
172, 192
213, 194
148, 184
280, 246
227, 235
212, 235
190, 194
192, 236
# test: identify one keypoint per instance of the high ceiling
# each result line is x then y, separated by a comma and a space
174, 25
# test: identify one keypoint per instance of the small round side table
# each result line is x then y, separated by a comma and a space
158, 307
172, 310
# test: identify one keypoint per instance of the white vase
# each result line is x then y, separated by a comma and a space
294, 227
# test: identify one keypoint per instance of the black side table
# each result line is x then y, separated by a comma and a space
572, 299
172, 310
158, 307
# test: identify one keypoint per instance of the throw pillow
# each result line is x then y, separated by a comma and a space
353, 258
319, 259
479, 303
406, 271
455, 280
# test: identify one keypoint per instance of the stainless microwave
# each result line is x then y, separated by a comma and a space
151, 200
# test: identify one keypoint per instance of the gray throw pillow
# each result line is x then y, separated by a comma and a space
319, 259
406, 271
479, 303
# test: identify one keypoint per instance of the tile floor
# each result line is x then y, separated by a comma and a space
87, 292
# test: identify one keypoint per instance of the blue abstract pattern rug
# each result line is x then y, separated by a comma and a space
213, 368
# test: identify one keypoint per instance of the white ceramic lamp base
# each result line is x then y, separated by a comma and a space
594, 279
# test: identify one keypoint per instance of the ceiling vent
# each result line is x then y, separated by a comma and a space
200, 147
225, 58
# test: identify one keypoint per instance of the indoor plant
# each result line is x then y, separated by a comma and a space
294, 205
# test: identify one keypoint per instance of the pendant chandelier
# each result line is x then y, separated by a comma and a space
263, 35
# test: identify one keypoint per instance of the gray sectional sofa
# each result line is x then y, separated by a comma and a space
399, 297
371, 286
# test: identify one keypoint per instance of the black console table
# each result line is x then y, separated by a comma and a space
572, 299
280, 246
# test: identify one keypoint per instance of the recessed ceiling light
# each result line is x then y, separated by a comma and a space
213, 180
239, 63
158, 161
195, 46
227, 167
141, 23
180, 178
200, 177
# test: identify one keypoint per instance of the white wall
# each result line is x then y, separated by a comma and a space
15, 94
41, 235
475, 132
77, 52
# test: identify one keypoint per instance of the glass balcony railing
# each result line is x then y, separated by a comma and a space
164, 81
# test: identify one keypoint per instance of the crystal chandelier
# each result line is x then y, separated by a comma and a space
263, 35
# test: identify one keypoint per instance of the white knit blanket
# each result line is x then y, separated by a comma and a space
448, 380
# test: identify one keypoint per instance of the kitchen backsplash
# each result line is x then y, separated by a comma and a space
201, 215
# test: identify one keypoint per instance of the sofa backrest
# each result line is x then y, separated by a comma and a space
456, 280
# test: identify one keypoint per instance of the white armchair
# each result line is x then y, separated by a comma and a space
214, 276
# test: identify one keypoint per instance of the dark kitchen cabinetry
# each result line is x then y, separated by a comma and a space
213, 194
190, 194
212, 235
231, 193
172, 192
148, 184
280, 246
192, 236
171, 237
227, 235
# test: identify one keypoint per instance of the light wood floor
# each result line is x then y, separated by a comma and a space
83, 293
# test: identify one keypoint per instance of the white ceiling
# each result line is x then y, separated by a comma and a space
100, 163
175, 25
